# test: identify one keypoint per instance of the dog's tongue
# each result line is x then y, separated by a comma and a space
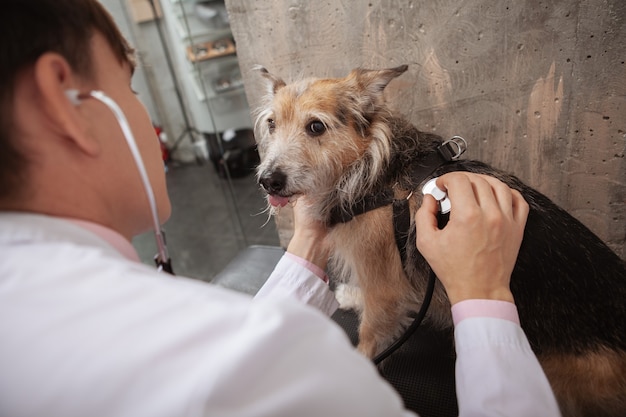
278, 201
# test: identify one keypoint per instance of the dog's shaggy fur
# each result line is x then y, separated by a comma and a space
336, 141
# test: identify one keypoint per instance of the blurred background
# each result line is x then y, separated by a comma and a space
538, 88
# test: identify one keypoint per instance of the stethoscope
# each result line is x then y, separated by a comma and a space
162, 258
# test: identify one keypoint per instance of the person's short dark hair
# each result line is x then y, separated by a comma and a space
30, 28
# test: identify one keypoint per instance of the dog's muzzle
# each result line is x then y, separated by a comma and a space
273, 182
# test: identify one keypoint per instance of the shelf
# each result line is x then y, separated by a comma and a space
225, 85
207, 56
210, 50
215, 88
197, 27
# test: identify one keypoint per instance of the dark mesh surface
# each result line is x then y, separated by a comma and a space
422, 370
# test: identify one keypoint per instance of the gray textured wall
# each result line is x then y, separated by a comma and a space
537, 87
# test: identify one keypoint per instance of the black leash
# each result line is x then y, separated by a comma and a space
428, 296
414, 325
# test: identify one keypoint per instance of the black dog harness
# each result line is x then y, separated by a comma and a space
448, 151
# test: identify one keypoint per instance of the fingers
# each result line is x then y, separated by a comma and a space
502, 194
471, 190
520, 208
459, 189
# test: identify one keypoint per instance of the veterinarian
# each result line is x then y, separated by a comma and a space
87, 330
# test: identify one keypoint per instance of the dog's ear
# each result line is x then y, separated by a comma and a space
274, 84
375, 81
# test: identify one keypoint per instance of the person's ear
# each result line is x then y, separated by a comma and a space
53, 76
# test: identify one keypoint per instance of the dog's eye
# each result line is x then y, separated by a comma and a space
316, 128
271, 125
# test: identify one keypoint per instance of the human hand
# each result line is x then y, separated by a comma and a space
474, 255
309, 237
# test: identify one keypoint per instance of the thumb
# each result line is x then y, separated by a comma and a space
426, 216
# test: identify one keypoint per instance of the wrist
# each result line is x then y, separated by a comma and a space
310, 248
484, 308
497, 294
321, 273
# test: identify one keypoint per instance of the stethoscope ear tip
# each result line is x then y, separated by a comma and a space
72, 95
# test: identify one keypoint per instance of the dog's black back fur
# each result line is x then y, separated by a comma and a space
565, 279
569, 287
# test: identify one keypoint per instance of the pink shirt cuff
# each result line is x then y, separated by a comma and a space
484, 308
309, 265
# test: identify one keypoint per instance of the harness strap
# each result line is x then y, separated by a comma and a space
367, 203
448, 151
401, 226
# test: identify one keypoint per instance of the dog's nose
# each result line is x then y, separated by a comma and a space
273, 182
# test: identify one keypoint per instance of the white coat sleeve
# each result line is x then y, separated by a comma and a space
293, 361
293, 280
497, 373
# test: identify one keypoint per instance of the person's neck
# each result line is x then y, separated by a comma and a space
81, 211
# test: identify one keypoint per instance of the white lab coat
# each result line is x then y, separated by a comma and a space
86, 332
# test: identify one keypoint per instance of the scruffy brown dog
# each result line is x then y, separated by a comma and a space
336, 141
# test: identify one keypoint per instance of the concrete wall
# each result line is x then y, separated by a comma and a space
536, 87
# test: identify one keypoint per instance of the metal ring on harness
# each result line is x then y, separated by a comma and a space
460, 143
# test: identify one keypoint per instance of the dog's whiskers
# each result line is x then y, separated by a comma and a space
269, 211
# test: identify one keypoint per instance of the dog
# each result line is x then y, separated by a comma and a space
336, 141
